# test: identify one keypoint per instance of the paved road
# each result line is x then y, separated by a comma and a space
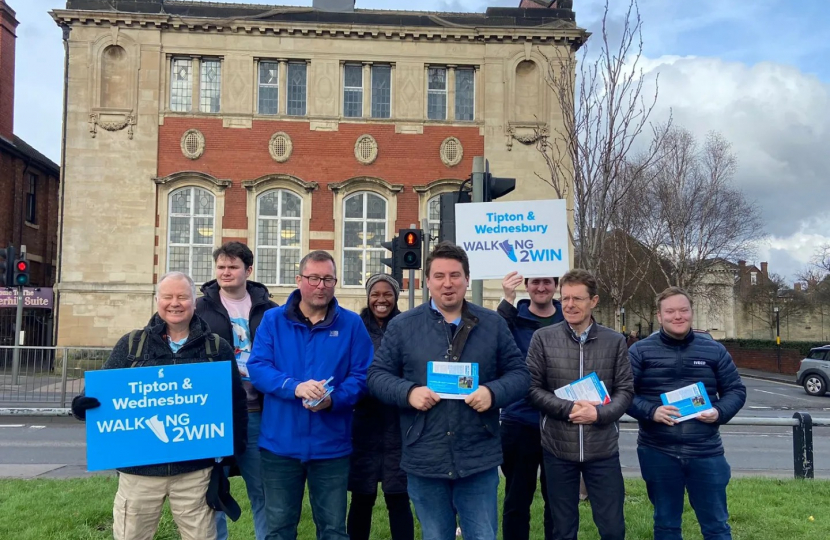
55, 448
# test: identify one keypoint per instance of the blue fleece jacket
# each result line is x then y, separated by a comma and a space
286, 353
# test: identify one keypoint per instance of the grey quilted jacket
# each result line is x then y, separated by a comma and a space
556, 357
451, 440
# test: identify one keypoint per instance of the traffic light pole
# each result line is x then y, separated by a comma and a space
479, 168
18, 342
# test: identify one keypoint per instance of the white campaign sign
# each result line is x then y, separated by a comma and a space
530, 237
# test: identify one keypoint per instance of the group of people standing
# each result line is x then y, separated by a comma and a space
338, 401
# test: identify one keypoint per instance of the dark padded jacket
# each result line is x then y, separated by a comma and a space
522, 325
662, 364
158, 353
556, 358
210, 308
376, 433
451, 440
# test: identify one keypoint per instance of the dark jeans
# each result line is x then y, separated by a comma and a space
604, 481
401, 524
472, 500
668, 478
284, 480
522, 448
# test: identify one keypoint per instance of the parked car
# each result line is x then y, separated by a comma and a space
814, 372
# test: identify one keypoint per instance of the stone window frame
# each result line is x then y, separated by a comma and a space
428, 192
296, 186
450, 93
341, 191
165, 186
374, 149
196, 77
288, 143
282, 86
459, 151
366, 113
200, 144
354, 89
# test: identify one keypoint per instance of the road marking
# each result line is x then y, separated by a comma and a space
36, 427
11, 425
758, 407
773, 382
784, 395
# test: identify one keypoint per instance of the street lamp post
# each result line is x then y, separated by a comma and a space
622, 316
777, 337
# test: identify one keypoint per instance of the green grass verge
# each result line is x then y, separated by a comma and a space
81, 509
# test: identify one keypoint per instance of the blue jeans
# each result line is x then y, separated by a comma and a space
668, 478
250, 467
284, 480
473, 499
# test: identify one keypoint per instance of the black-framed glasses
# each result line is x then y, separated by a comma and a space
314, 281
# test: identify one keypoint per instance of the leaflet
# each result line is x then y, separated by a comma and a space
588, 388
452, 380
329, 390
692, 401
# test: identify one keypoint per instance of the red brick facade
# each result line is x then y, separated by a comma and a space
318, 156
8, 24
767, 359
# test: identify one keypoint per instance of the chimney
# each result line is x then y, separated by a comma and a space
742, 265
764, 269
797, 284
8, 25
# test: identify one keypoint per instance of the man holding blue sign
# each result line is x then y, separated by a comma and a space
450, 365
153, 403
676, 459
309, 359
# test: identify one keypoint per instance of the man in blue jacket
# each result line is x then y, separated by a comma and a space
521, 441
683, 457
451, 447
300, 350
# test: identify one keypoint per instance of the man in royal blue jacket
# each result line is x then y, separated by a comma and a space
298, 348
683, 457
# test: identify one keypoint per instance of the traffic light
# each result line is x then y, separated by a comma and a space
410, 242
393, 261
6, 268
447, 202
495, 187
21, 273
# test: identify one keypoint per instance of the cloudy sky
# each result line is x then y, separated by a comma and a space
755, 71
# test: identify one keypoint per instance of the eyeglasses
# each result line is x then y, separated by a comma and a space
575, 299
314, 281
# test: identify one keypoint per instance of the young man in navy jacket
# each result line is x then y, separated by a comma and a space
686, 457
299, 347
521, 441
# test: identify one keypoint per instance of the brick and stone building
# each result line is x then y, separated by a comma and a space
289, 128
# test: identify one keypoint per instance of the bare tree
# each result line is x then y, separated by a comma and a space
761, 300
697, 218
605, 113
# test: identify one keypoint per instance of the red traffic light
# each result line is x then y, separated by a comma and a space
22, 266
411, 239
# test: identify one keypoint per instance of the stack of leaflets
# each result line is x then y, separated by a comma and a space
329, 389
588, 388
452, 380
692, 401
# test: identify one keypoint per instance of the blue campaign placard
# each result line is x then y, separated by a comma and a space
452, 380
159, 414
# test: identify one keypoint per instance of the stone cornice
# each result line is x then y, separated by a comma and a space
555, 32
443, 182
365, 181
302, 184
184, 175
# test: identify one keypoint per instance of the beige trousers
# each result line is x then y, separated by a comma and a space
139, 501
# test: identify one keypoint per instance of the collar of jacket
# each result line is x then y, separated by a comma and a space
372, 324
259, 293
527, 317
592, 333
292, 305
673, 342
467, 315
197, 330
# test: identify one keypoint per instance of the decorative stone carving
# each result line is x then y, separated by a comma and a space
451, 151
366, 149
193, 144
526, 134
111, 122
280, 147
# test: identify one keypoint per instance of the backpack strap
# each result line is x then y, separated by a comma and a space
136, 346
212, 346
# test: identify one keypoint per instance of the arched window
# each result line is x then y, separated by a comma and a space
434, 218
278, 237
190, 234
364, 228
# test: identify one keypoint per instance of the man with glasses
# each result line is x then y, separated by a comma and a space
581, 436
309, 360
